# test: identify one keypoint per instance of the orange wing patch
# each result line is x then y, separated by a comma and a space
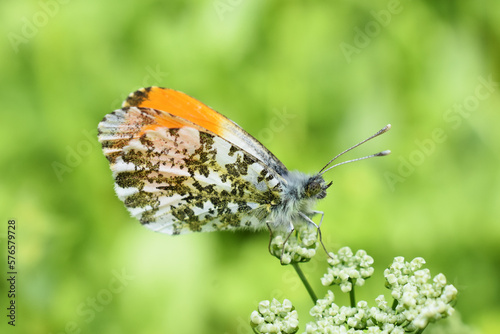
178, 104
174, 110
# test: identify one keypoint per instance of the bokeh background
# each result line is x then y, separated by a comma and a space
306, 78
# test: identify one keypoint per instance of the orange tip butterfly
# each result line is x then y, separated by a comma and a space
180, 167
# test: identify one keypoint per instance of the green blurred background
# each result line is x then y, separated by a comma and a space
306, 78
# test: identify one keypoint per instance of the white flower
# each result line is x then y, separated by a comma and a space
373, 330
327, 279
362, 304
256, 318
286, 258
299, 247
396, 294
422, 276
398, 330
449, 293
367, 272
419, 299
381, 302
420, 322
345, 252
348, 268
264, 307
417, 263
345, 287
275, 317
440, 280
352, 322
287, 305
310, 253
360, 281
391, 279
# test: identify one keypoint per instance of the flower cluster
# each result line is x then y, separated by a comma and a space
274, 317
419, 298
300, 246
348, 269
331, 318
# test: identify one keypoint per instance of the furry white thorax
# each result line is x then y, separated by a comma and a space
296, 198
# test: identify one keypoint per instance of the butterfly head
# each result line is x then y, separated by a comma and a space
315, 187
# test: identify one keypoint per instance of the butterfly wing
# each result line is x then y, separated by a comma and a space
176, 176
186, 107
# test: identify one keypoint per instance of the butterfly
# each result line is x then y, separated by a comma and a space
180, 167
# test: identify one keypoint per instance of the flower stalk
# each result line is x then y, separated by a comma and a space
304, 280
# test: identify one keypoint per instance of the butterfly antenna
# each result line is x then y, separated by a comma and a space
381, 131
379, 154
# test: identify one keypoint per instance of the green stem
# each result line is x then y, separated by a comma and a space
394, 304
352, 295
305, 282
420, 331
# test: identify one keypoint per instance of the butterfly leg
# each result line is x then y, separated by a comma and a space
284, 243
270, 237
309, 220
322, 216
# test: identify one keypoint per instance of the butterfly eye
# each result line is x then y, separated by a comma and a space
313, 188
